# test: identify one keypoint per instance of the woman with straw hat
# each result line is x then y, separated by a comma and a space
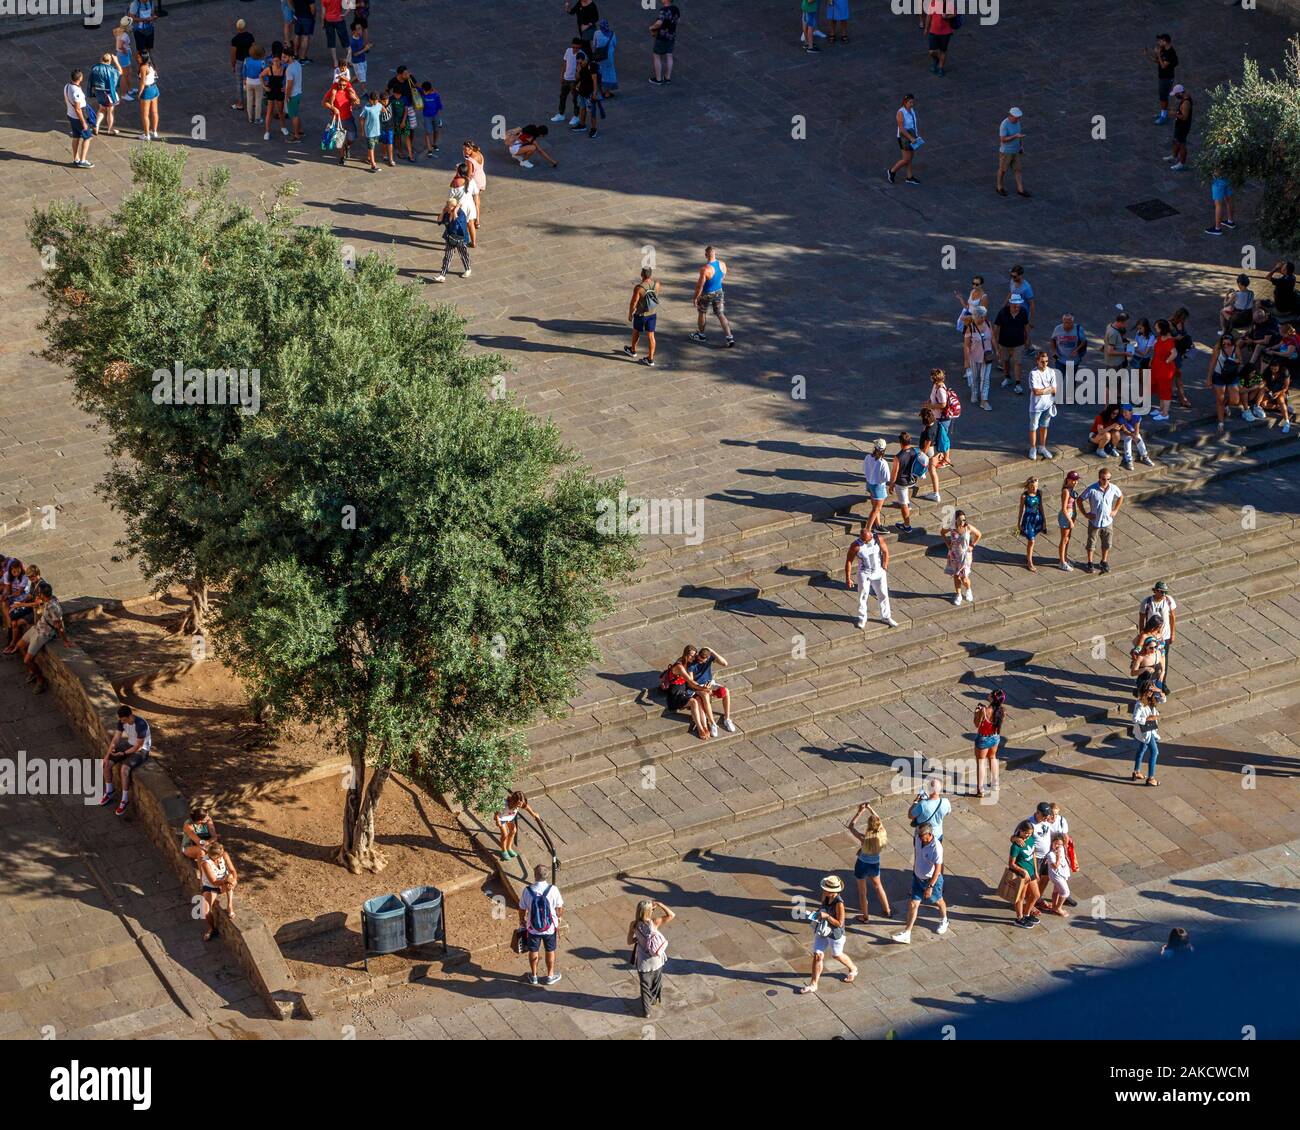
828, 932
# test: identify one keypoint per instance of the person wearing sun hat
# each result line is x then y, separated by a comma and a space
828, 932
1163, 607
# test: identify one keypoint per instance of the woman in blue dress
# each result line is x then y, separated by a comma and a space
1029, 522
837, 15
603, 44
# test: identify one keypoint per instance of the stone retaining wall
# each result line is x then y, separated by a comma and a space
88, 702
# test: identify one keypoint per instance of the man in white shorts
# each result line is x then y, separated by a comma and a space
872, 555
909, 467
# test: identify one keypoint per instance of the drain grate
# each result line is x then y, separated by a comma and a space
1152, 209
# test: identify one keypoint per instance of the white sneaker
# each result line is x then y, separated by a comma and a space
956, 598
467, 273
439, 278
862, 623
1045, 453
525, 164
943, 927
729, 725
266, 136
905, 937
573, 121
986, 406
713, 729
1033, 453
891, 621
970, 597
1066, 567
933, 496
557, 117
284, 130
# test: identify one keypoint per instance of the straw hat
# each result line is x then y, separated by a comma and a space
832, 884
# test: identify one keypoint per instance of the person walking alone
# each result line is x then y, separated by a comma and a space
641, 312
664, 33
1011, 148
650, 950
540, 908
709, 296
909, 140
828, 933
872, 556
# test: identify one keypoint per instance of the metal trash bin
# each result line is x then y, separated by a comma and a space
424, 920
383, 925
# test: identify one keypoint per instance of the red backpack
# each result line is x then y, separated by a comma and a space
952, 409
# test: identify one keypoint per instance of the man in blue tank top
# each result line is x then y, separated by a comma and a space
709, 296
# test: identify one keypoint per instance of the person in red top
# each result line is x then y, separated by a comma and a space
336, 29
940, 32
1162, 370
339, 100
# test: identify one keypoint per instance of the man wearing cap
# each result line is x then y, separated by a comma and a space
1100, 503
1166, 60
875, 468
1163, 607
872, 556
1011, 145
1182, 127
1011, 335
927, 880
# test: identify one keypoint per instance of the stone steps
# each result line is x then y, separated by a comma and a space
1010, 637
761, 676
794, 811
732, 560
634, 657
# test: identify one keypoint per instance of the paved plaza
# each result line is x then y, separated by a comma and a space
840, 292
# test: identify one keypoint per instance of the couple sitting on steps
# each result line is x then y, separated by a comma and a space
689, 685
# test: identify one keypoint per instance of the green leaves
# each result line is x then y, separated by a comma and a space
1252, 132
398, 555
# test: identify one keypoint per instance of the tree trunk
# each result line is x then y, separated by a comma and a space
359, 852
194, 622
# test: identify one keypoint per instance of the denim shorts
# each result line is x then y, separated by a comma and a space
1039, 418
878, 491
918, 890
865, 867
987, 741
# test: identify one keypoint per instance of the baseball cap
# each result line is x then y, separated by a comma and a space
1014, 112
1179, 89
1072, 477
1160, 586
879, 445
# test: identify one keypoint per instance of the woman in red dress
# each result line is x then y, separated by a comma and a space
1162, 370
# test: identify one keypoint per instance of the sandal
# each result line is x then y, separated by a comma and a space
808, 989
849, 978
1152, 781
862, 918
1137, 776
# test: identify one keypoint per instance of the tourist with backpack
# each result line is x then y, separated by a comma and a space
650, 950
909, 466
871, 554
540, 907
989, 717
927, 444
947, 408
641, 312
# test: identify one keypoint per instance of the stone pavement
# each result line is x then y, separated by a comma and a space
1201, 851
98, 937
836, 276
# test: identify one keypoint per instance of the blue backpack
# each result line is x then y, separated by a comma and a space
540, 918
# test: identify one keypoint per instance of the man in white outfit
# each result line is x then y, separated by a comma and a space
872, 556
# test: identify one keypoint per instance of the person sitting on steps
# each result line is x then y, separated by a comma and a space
702, 672
684, 693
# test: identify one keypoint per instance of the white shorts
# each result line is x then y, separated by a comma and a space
835, 945
904, 496
1061, 881
515, 146
358, 69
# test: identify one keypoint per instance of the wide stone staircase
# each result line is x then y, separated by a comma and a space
826, 710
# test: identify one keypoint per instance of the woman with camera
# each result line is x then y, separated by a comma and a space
828, 932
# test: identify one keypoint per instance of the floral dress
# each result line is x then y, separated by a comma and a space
959, 553
1031, 523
